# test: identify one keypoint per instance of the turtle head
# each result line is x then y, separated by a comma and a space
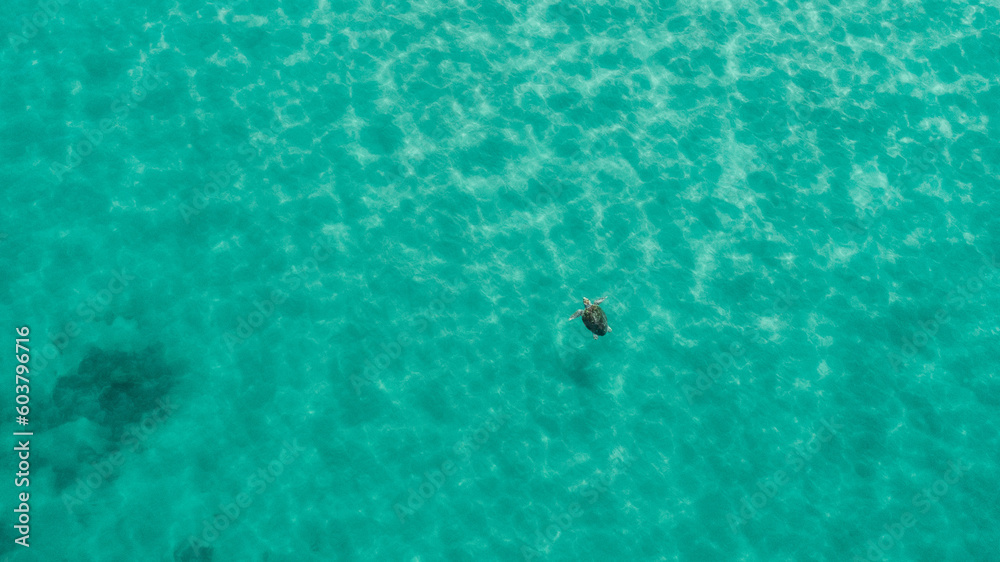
586, 301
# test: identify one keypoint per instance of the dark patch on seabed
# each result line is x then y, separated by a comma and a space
113, 388
117, 391
185, 552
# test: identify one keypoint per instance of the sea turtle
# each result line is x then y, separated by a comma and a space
593, 317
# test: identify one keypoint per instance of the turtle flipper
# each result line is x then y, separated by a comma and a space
600, 300
576, 314
595, 336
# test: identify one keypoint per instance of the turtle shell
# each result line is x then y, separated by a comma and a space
595, 320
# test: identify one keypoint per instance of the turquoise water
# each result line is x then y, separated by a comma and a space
297, 278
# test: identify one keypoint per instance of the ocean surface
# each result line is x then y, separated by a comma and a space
297, 277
